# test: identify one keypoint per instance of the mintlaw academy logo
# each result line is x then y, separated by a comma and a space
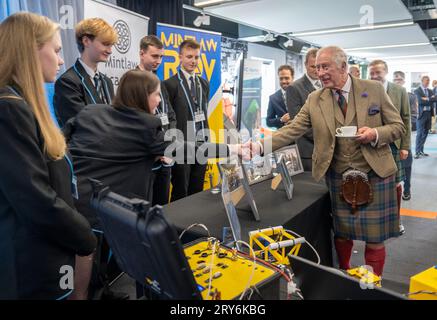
124, 36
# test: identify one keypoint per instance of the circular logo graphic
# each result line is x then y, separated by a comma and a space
124, 36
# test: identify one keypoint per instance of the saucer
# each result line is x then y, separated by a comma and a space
350, 137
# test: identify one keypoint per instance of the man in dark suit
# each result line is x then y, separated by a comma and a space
189, 96
425, 99
399, 79
297, 95
277, 113
151, 53
83, 84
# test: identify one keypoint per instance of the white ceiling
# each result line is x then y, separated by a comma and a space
285, 16
297, 15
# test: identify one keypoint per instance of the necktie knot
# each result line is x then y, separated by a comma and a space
193, 88
342, 102
99, 88
97, 80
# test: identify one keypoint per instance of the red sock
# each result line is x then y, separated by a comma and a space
376, 259
399, 197
344, 252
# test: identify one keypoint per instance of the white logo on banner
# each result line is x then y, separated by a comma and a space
124, 36
130, 26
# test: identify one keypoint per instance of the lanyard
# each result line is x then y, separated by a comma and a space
163, 104
104, 84
14, 91
84, 84
189, 102
70, 164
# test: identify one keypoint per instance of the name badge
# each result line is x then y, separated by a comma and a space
74, 189
199, 116
164, 119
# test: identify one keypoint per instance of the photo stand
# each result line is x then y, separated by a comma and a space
292, 159
284, 176
235, 184
259, 169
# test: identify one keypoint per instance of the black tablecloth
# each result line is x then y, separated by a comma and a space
308, 213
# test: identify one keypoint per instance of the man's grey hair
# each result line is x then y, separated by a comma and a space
338, 55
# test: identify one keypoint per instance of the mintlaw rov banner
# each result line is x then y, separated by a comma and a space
209, 68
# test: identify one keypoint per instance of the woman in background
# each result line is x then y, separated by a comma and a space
40, 231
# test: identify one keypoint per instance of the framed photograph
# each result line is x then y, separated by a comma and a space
235, 183
285, 175
292, 159
233, 172
259, 169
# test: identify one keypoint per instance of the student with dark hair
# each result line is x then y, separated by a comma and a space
151, 53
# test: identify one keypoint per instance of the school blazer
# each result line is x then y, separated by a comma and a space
40, 230
74, 90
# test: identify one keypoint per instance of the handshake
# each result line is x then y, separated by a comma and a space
248, 150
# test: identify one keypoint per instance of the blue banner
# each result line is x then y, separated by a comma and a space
210, 48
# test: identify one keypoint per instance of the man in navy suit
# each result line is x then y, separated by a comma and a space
277, 113
425, 98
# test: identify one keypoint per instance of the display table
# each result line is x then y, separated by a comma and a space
308, 213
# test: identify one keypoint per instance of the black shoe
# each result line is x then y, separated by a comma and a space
401, 229
417, 156
424, 154
406, 196
114, 295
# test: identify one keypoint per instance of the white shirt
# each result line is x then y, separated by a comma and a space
92, 73
284, 94
385, 84
345, 90
314, 82
425, 90
188, 76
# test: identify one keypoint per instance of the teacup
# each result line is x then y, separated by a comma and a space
347, 131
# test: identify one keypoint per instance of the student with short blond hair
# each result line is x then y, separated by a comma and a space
83, 84
79, 86
40, 231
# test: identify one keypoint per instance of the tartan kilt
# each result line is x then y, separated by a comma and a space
372, 223
400, 174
